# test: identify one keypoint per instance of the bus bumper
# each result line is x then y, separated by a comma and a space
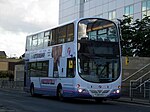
85, 94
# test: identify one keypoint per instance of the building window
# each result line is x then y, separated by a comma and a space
112, 15
99, 16
145, 8
129, 10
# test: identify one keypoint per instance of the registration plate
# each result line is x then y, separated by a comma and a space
99, 95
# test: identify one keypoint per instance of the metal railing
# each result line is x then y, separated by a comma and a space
140, 84
11, 84
146, 88
135, 73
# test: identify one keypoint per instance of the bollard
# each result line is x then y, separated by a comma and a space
149, 92
131, 91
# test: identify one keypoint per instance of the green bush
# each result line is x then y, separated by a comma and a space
5, 74
136, 37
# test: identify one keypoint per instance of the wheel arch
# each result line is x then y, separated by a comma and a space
59, 86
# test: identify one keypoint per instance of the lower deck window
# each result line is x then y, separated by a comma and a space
38, 69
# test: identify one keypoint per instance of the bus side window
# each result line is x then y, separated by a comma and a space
32, 69
40, 40
38, 69
47, 38
70, 67
54, 36
70, 33
29, 43
34, 42
62, 34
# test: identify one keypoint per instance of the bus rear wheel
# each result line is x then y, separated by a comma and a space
60, 94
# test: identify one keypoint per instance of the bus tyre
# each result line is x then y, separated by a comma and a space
60, 94
32, 91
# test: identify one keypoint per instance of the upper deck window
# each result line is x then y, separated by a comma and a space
28, 43
97, 30
62, 34
40, 40
34, 42
54, 37
47, 38
70, 33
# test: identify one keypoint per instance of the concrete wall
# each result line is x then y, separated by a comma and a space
8, 64
135, 63
3, 66
19, 73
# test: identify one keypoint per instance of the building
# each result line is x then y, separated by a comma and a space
109, 9
3, 54
7, 66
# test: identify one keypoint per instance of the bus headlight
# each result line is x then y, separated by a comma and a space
116, 91
80, 90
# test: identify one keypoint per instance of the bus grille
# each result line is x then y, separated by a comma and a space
99, 91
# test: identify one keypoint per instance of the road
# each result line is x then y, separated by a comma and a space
11, 101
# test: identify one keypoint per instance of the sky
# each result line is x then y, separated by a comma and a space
19, 18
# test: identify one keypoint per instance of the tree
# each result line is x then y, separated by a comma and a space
136, 37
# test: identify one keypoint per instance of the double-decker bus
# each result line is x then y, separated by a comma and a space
79, 59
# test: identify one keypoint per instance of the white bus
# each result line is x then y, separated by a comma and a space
79, 59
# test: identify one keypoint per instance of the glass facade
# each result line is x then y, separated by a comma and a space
145, 8
112, 15
109, 9
129, 10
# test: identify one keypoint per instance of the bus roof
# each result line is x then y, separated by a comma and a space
72, 21
53, 27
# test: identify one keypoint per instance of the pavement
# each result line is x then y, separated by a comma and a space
134, 100
20, 90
